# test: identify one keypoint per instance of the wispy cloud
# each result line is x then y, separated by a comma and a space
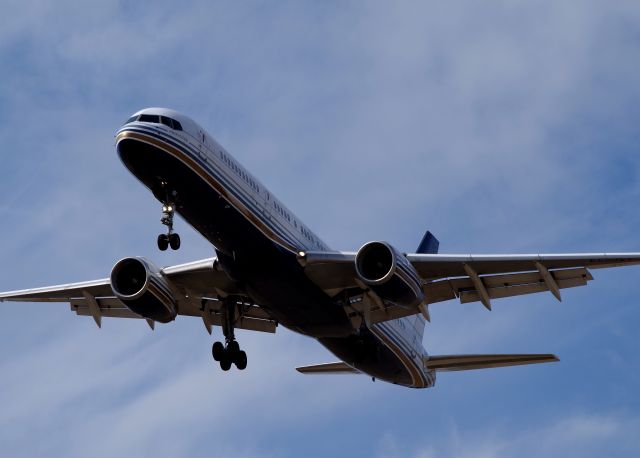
579, 434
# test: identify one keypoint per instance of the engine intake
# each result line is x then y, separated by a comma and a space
389, 274
141, 287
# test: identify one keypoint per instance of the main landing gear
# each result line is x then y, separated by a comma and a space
170, 238
230, 352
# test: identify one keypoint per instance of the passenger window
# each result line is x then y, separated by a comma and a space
166, 121
149, 118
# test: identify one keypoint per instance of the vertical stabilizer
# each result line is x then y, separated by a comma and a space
429, 244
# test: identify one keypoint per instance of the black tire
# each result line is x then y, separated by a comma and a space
163, 242
217, 350
174, 241
225, 363
233, 348
241, 360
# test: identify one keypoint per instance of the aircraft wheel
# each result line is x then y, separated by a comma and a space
241, 360
225, 362
217, 350
163, 242
174, 241
233, 348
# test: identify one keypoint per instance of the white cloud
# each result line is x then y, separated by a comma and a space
579, 434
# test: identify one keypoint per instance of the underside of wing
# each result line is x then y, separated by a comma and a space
433, 267
505, 285
193, 289
468, 278
470, 362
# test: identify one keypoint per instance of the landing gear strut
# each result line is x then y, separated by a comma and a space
230, 352
168, 209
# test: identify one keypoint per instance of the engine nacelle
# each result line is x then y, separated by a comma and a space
389, 274
141, 287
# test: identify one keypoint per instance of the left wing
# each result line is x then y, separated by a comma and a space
196, 285
466, 277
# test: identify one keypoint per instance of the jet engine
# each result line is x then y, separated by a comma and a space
141, 287
389, 274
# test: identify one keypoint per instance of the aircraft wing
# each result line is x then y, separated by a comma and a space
468, 278
196, 285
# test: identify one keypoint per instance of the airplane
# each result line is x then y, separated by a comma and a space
369, 307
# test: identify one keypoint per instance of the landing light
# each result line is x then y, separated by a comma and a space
302, 254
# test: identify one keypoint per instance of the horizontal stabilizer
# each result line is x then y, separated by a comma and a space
328, 368
469, 362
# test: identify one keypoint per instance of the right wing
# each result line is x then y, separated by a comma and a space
469, 278
197, 284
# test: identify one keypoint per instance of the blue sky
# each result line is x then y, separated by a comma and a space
504, 127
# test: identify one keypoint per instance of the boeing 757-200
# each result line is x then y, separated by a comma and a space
366, 307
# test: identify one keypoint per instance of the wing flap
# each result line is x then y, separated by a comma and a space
254, 318
471, 362
109, 313
501, 286
435, 266
328, 368
246, 323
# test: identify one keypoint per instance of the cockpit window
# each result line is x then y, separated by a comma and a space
131, 119
156, 119
149, 118
166, 121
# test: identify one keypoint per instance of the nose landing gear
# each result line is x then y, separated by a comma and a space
229, 353
170, 238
